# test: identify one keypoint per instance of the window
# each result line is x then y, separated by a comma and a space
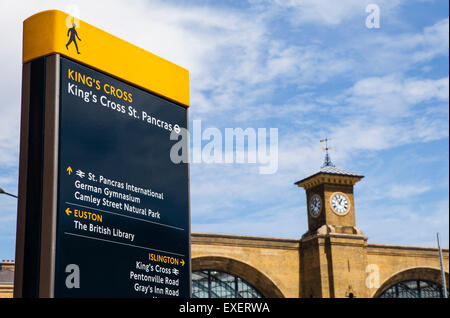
215, 284
413, 289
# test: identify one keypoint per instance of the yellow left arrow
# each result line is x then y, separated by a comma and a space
68, 212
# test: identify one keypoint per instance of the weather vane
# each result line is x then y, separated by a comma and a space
327, 162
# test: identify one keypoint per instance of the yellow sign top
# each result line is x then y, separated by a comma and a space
56, 32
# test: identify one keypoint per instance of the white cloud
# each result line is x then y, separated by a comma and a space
385, 112
403, 51
286, 221
329, 12
432, 42
393, 94
414, 225
420, 90
403, 191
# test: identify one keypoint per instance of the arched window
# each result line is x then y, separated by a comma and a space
215, 284
413, 289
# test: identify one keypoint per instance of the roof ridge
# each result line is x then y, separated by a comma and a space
334, 170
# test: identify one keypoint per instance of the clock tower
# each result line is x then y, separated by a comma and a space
330, 200
333, 249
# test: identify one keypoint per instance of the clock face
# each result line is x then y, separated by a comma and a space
315, 205
340, 203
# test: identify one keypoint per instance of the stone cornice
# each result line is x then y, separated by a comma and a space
401, 250
244, 241
322, 177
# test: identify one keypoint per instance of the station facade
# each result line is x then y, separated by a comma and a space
333, 259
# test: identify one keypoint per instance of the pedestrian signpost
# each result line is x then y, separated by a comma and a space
102, 211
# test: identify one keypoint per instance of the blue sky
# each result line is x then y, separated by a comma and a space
309, 68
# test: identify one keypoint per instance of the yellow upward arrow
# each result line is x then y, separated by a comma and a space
69, 170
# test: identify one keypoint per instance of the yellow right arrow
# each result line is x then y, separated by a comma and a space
69, 170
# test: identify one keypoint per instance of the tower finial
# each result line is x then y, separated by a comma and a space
327, 162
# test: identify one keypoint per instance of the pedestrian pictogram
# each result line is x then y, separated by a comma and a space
73, 37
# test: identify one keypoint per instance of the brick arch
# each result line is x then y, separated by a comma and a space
423, 273
257, 279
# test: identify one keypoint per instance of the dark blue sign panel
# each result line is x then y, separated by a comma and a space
123, 207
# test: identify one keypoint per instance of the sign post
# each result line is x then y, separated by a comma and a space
103, 211
444, 285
